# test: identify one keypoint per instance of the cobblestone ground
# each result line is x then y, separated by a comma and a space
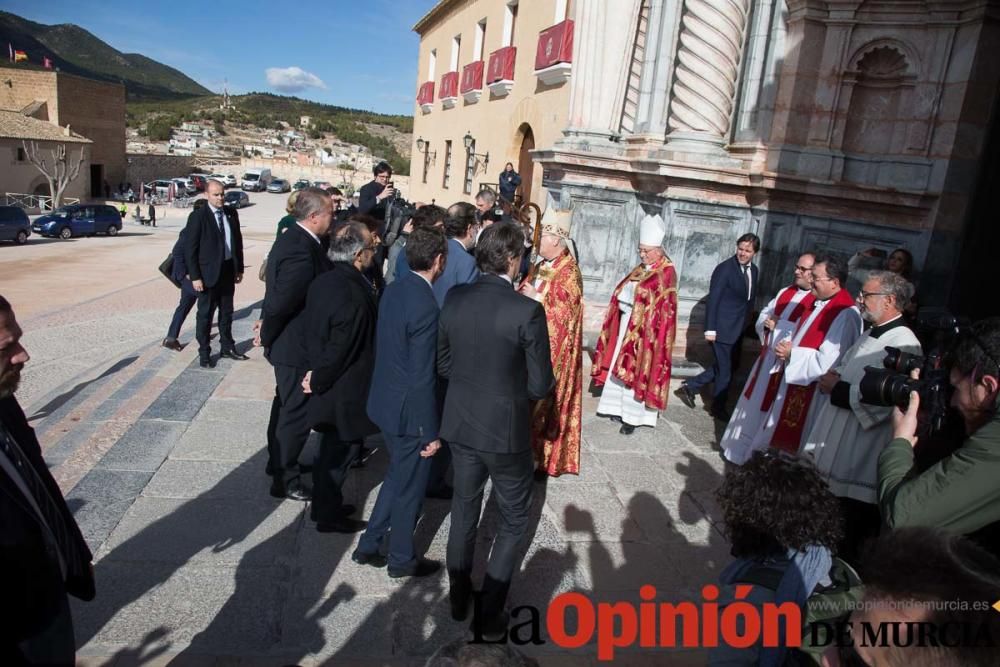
163, 465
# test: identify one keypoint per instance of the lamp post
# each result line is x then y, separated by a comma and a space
469, 142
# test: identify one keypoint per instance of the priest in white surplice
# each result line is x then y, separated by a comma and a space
776, 322
823, 333
848, 435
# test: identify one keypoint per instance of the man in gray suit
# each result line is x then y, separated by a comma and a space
487, 415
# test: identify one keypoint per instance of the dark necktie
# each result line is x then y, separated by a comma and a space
51, 514
746, 277
218, 217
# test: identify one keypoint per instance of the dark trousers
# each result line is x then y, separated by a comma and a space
292, 428
862, 522
218, 296
273, 453
188, 299
399, 501
438, 479
512, 485
330, 467
721, 373
53, 645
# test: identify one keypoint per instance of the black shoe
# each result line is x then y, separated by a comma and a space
234, 355
459, 596
172, 344
423, 568
491, 628
540, 475
626, 429
291, 492
347, 510
361, 558
616, 419
686, 395
206, 363
341, 525
444, 492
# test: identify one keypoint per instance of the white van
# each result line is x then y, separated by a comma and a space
256, 180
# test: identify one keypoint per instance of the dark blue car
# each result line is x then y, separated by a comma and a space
79, 220
14, 225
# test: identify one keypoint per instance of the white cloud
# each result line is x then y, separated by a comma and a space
292, 79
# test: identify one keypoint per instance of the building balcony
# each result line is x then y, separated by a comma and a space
500, 72
449, 90
425, 96
472, 81
554, 57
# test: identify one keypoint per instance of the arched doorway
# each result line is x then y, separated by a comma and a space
525, 165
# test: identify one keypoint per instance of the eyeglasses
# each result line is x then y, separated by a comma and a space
864, 295
803, 269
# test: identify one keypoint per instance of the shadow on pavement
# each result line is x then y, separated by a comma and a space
62, 399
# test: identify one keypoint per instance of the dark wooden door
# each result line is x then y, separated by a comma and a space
525, 165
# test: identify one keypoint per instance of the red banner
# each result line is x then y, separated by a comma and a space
555, 45
472, 76
426, 93
501, 66
449, 85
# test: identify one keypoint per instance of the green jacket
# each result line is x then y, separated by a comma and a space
960, 493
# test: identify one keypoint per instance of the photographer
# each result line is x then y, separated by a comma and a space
960, 493
849, 434
374, 196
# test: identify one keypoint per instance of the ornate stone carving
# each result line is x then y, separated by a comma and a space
708, 58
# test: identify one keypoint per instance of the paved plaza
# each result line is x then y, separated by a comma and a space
163, 463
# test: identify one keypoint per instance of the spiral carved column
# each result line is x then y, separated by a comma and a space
707, 66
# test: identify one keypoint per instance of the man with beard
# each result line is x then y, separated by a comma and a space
775, 324
848, 435
44, 555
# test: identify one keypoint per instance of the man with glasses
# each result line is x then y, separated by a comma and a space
632, 359
960, 493
822, 334
775, 324
848, 435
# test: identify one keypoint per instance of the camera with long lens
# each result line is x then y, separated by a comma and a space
892, 384
397, 212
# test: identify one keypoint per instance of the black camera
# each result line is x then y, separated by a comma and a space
892, 384
398, 212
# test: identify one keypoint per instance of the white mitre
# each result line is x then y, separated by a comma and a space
652, 229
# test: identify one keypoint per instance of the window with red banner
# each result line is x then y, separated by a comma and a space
501, 67
555, 45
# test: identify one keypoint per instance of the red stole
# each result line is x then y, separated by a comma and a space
798, 398
784, 299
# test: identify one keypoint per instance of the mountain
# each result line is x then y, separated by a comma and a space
76, 51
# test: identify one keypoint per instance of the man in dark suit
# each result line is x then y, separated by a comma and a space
487, 414
296, 258
339, 335
460, 227
731, 296
42, 552
403, 402
188, 296
214, 257
373, 196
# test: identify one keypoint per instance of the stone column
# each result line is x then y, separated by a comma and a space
657, 68
708, 59
602, 47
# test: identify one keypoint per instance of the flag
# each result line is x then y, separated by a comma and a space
46, 62
19, 56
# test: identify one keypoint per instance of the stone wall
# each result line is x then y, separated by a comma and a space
21, 177
143, 168
96, 110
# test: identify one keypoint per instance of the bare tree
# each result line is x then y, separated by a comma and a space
61, 172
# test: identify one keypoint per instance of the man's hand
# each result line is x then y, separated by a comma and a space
239, 278
256, 332
769, 323
387, 192
408, 227
430, 449
528, 290
828, 382
710, 338
904, 424
306, 387
198, 285
783, 350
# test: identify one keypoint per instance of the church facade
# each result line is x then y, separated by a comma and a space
836, 125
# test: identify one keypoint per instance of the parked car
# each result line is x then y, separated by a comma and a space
302, 184
184, 187
236, 199
227, 181
256, 180
161, 187
322, 185
279, 185
14, 225
199, 181
231, 180
79, 220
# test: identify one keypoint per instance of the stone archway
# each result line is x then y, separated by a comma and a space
525, 164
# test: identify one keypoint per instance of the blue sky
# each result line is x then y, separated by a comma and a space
353, 53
